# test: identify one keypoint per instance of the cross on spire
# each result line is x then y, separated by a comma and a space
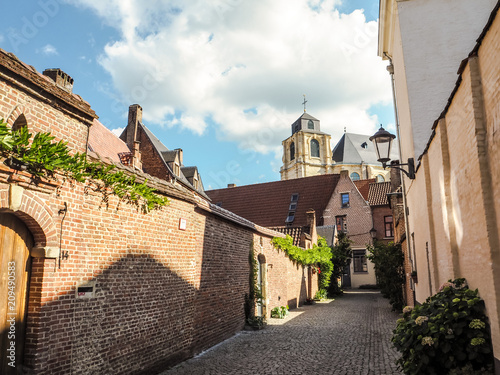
304, 103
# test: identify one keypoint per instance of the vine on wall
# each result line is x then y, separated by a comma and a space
320, 255
42, 157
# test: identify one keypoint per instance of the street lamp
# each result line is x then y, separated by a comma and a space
382, 140
373, 233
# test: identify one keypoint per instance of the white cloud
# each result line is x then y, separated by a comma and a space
117, 131
48, 50
245, 65
2, 38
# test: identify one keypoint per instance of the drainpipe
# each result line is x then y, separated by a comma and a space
390, 69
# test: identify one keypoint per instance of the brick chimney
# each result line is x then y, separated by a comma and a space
311, 221
344, 174
61, 79
180, 153
133, 142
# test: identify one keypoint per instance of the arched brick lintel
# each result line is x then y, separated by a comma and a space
17, 111
37, 216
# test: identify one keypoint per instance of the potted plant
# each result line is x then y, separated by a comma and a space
255, 323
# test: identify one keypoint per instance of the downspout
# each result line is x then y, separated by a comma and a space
390, 69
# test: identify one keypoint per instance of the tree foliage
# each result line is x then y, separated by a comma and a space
341, 258
389, 270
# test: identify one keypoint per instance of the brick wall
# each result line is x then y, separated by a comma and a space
359, 222
456, 231
378, 214
287, 282
161, 294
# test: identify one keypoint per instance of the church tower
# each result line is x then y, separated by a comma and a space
307, 152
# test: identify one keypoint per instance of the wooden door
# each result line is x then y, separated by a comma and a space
15, 244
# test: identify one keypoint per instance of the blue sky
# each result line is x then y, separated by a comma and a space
223, 81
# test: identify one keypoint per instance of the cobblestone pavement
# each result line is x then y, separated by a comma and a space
348, 336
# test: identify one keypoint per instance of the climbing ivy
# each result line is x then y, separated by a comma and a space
42, 157
254, 294
320, 255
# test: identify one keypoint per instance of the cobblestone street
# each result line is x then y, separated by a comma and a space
348, 336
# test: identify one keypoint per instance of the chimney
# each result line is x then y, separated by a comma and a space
61, 79
133, 143
311, 221
344, 174
231, 185
180, 153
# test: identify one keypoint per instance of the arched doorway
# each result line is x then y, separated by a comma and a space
261, 282
16, 242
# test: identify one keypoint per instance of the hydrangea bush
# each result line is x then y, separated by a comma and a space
448, 334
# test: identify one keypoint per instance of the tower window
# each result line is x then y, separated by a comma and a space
310, 125
314, 148
380, 178
292, 151
354, 176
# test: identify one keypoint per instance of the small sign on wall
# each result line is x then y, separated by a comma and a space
85, 290
182, 224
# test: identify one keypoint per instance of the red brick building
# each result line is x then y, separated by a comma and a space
103, 288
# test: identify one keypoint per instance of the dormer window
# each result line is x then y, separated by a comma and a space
310, 125
177, 169
294, 197
290, 217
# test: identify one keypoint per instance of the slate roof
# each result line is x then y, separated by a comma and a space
104, 143
377, 195
328, 232
364, 187
169, 156
189, 171
160, 147
350, 150
306, 116
268, 204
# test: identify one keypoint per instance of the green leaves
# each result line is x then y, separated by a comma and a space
455, 323
42, 157
320, 255
341, 258
388, 261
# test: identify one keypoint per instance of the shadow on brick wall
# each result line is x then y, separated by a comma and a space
139, 321
224, 281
